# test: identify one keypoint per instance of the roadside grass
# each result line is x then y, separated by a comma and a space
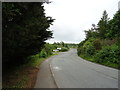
25, 75
92, 59
20, 83
35, 60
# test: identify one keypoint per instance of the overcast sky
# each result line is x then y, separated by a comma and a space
75, 16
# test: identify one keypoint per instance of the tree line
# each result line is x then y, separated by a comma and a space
24, 31
102, 41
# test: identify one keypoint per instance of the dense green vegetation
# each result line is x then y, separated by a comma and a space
64, 47
24, 75
25, 28
102, 42
24, 31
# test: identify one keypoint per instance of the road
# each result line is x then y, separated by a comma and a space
71, 71
44, 77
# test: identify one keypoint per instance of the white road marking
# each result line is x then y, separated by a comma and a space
57, 68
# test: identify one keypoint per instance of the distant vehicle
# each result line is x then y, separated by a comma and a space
59, 49
55, 50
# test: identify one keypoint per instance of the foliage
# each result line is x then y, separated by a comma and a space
66, 45
102, 41
81, 43
103, 25
106, 28
86, 47
64, 49
23, 76
91, 33
46, 51
25, 28
108, 54
89, 49
97, 44
43, 53
114, 26
80, 50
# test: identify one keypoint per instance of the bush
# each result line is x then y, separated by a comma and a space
64, 49
108, 54
79, 50
89, 48
43, 54
97, 44
48, 49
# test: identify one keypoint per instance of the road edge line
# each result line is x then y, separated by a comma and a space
53, 75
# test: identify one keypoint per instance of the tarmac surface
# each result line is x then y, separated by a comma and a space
68, 70
71, 71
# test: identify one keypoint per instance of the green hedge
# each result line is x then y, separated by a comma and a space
108, 54
46, 51
63, 49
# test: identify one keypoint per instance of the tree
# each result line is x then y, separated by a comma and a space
114, 26
25, 28
62, 43
103, 25
91, 32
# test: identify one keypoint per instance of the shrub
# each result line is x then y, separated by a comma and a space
97, 44
48, 49
90, 50
108, 54
88, 47
63, 49
43, 53
105, 42
79, 50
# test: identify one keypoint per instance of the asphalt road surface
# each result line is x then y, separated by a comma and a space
71, 71
44, 77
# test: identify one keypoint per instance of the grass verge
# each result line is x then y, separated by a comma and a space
24, 76
92, 59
